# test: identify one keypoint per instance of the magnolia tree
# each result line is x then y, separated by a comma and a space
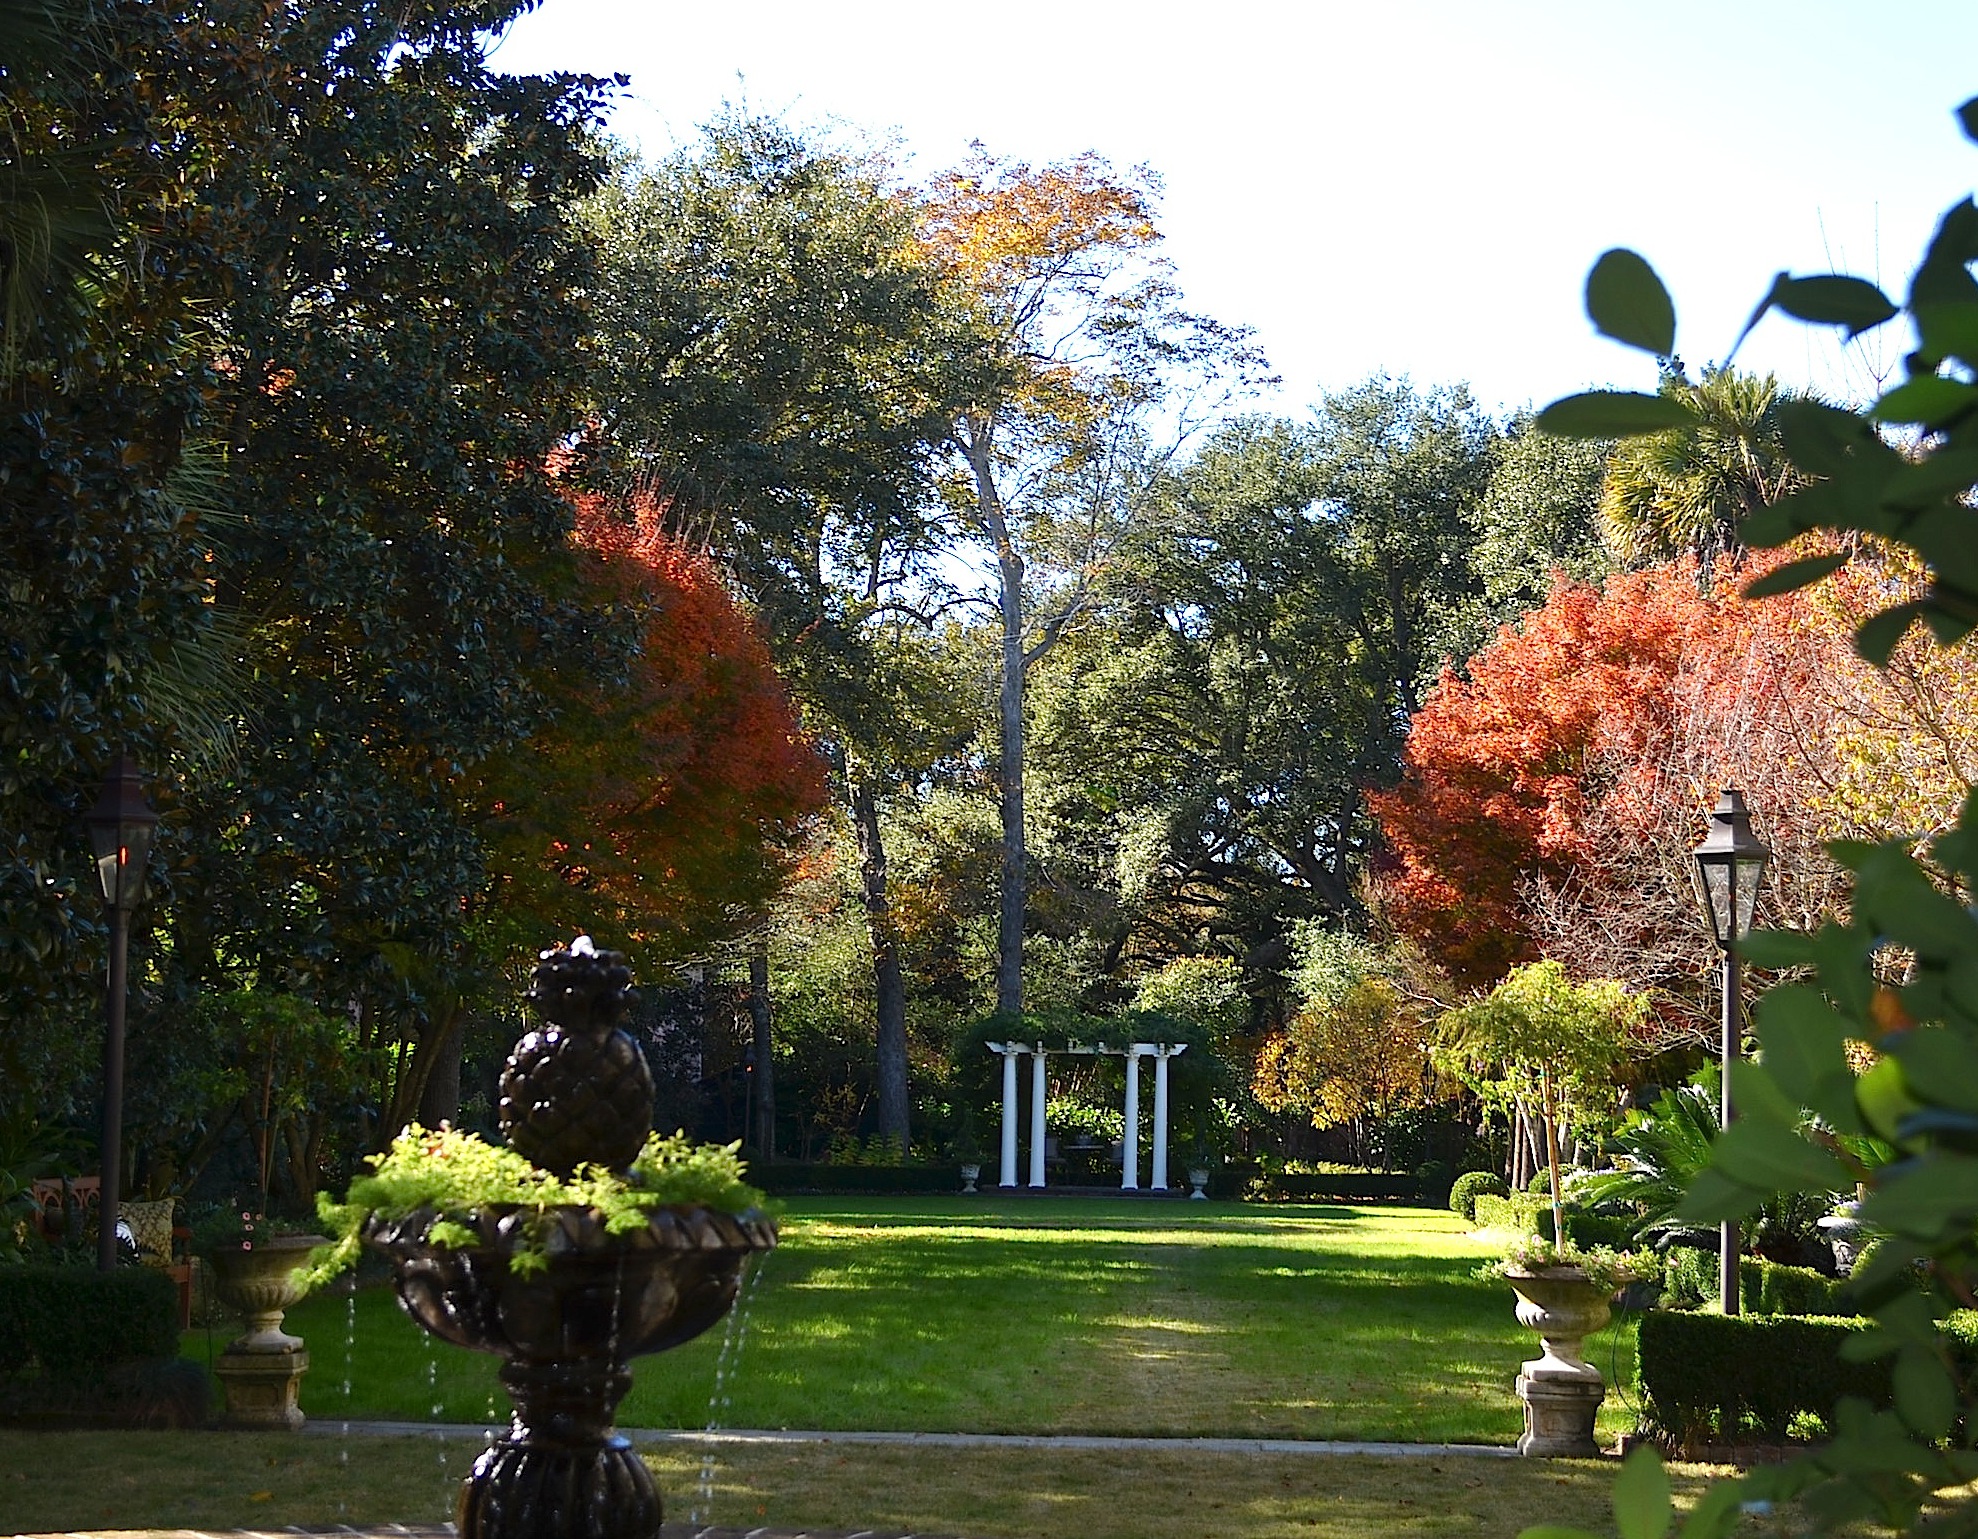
1539, 1041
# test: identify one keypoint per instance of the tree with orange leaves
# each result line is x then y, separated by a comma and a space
662, 810
1055, 448
1551, 798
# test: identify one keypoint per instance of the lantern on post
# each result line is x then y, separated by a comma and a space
121, 825
1730, 865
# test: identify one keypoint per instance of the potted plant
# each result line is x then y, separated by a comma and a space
260, 1272
258, 1264
1541, 1041
1196, 1155
967, 1153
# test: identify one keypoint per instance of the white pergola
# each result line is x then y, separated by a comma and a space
1133, 1052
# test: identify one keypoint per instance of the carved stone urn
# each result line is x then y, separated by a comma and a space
1561, 1390
260, 1371
567, 1330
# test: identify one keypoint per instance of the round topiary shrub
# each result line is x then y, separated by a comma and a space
1471, 1185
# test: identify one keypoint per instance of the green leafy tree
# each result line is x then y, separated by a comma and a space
779, 358
1541, 1041
1054, 448
1249, 670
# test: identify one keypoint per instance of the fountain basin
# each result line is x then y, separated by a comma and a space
565, 1330
600, 1295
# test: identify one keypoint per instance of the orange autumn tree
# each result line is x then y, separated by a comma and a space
662, 812
1494, 788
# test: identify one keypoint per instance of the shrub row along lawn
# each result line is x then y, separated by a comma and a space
1046, 1315
61, 1482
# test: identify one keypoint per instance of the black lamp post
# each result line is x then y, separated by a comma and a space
120, 828
1730, 864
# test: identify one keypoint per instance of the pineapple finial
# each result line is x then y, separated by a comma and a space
576, 1091
582, 988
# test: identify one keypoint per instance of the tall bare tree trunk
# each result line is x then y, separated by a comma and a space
887, 980
760, 1021
1009, 711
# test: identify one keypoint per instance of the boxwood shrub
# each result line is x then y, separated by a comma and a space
76, 1322
1471, 1185
1711, 1377
881, 1180
1689, 1278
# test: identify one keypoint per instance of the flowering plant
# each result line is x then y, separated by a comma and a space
1605, 1268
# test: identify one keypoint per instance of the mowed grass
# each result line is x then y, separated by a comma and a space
1048, 1315
97, 1481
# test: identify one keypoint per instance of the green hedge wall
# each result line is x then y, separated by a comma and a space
76, 1322
1711, 1376
1689, 1278
863, 1180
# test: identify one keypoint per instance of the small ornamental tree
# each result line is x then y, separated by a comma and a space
1540, 1039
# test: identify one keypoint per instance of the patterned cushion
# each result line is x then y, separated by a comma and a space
151, 1226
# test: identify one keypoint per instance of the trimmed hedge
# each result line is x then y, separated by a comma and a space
1471, 1185
1689, 1278
864, 1180
1518, 1213
1372, 1187
77, 1322
1710, 1376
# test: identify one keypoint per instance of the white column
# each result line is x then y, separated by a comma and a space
1037, 1118
1129, 1176
1009, 1050
1160, 1176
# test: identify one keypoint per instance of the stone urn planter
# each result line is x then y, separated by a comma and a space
261, 1370
1845, 1235
1198, 1178
1560, 1389
970, 1175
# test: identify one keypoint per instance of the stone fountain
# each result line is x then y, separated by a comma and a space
575, 1091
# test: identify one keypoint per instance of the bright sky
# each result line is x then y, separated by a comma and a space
1391, 186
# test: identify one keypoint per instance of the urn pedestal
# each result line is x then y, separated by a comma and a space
260, 1371
1561, 1391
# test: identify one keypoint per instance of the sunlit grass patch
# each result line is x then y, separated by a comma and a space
1055, 1315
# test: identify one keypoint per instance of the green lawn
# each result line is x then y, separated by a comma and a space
1049, 1315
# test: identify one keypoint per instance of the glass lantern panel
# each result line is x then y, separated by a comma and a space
1716, 887
1751, 869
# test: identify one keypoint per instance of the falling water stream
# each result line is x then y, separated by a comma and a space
343, 1434
726, 1363
447, 1492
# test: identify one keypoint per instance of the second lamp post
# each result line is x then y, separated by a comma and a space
1731, 863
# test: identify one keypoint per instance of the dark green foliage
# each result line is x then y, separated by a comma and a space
838, 1180
1371, 1187
1689, 1279
74, 1321
1471, 1185
1710, 1376
1589, 1229
1768, 1288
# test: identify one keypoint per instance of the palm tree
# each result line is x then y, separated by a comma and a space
1685, 491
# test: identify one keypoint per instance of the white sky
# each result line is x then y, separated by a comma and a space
1410, 186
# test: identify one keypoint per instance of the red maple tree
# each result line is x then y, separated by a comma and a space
665, 809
